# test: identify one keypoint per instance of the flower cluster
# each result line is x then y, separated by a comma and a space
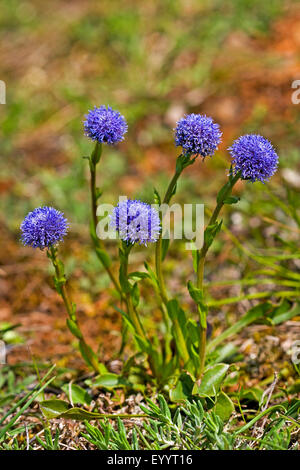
105, 125
254, 158
197, 135
136, 222
43, 227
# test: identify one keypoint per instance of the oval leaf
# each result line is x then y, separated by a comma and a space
183, 389
224, 407
61, 409
54, 408
79, 395
211, 381
108, 381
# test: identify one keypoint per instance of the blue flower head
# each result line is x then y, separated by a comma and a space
136, 222
43, 227
197, 135
254, 157
105, 125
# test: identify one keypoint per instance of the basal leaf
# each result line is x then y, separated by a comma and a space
108, 381
183, 388
211, 381
79, 395
224, 406
54, 408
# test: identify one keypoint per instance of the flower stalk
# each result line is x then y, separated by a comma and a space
95, 194
183, 161
72, 323
132, 314
211, 231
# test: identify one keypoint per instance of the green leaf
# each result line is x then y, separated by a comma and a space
211, 381
79, 395
61, 409
164, 247
195, 256
183, 388
193, 330
138, 275
5, 327
152, 274
284, 312
126, 318
157, 199
73, 327
104, 257
211, 232
28, 398
177, 314
224, 406
198, 297
108, 381
124, 283
223, 353
231, 200
96, 154
223, 191
179, 322
143, 344
251, 394
192, 342
135, 295
133, 361
54, 408
196, 294
90, 357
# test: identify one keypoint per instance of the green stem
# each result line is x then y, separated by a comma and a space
183, 351
62, 291
130, 309
89, 356
202, 350
98, 243
182, 162
201, 255
158, 246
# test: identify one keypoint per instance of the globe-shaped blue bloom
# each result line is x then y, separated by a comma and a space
136, 222
197, 135
105, 125
254, 157
43, 227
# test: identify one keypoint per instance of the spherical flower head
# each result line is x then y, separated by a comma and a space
105, 125
254, 157
136, 222
197, 135
43, 227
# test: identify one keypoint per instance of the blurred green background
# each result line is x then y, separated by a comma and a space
153, 61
